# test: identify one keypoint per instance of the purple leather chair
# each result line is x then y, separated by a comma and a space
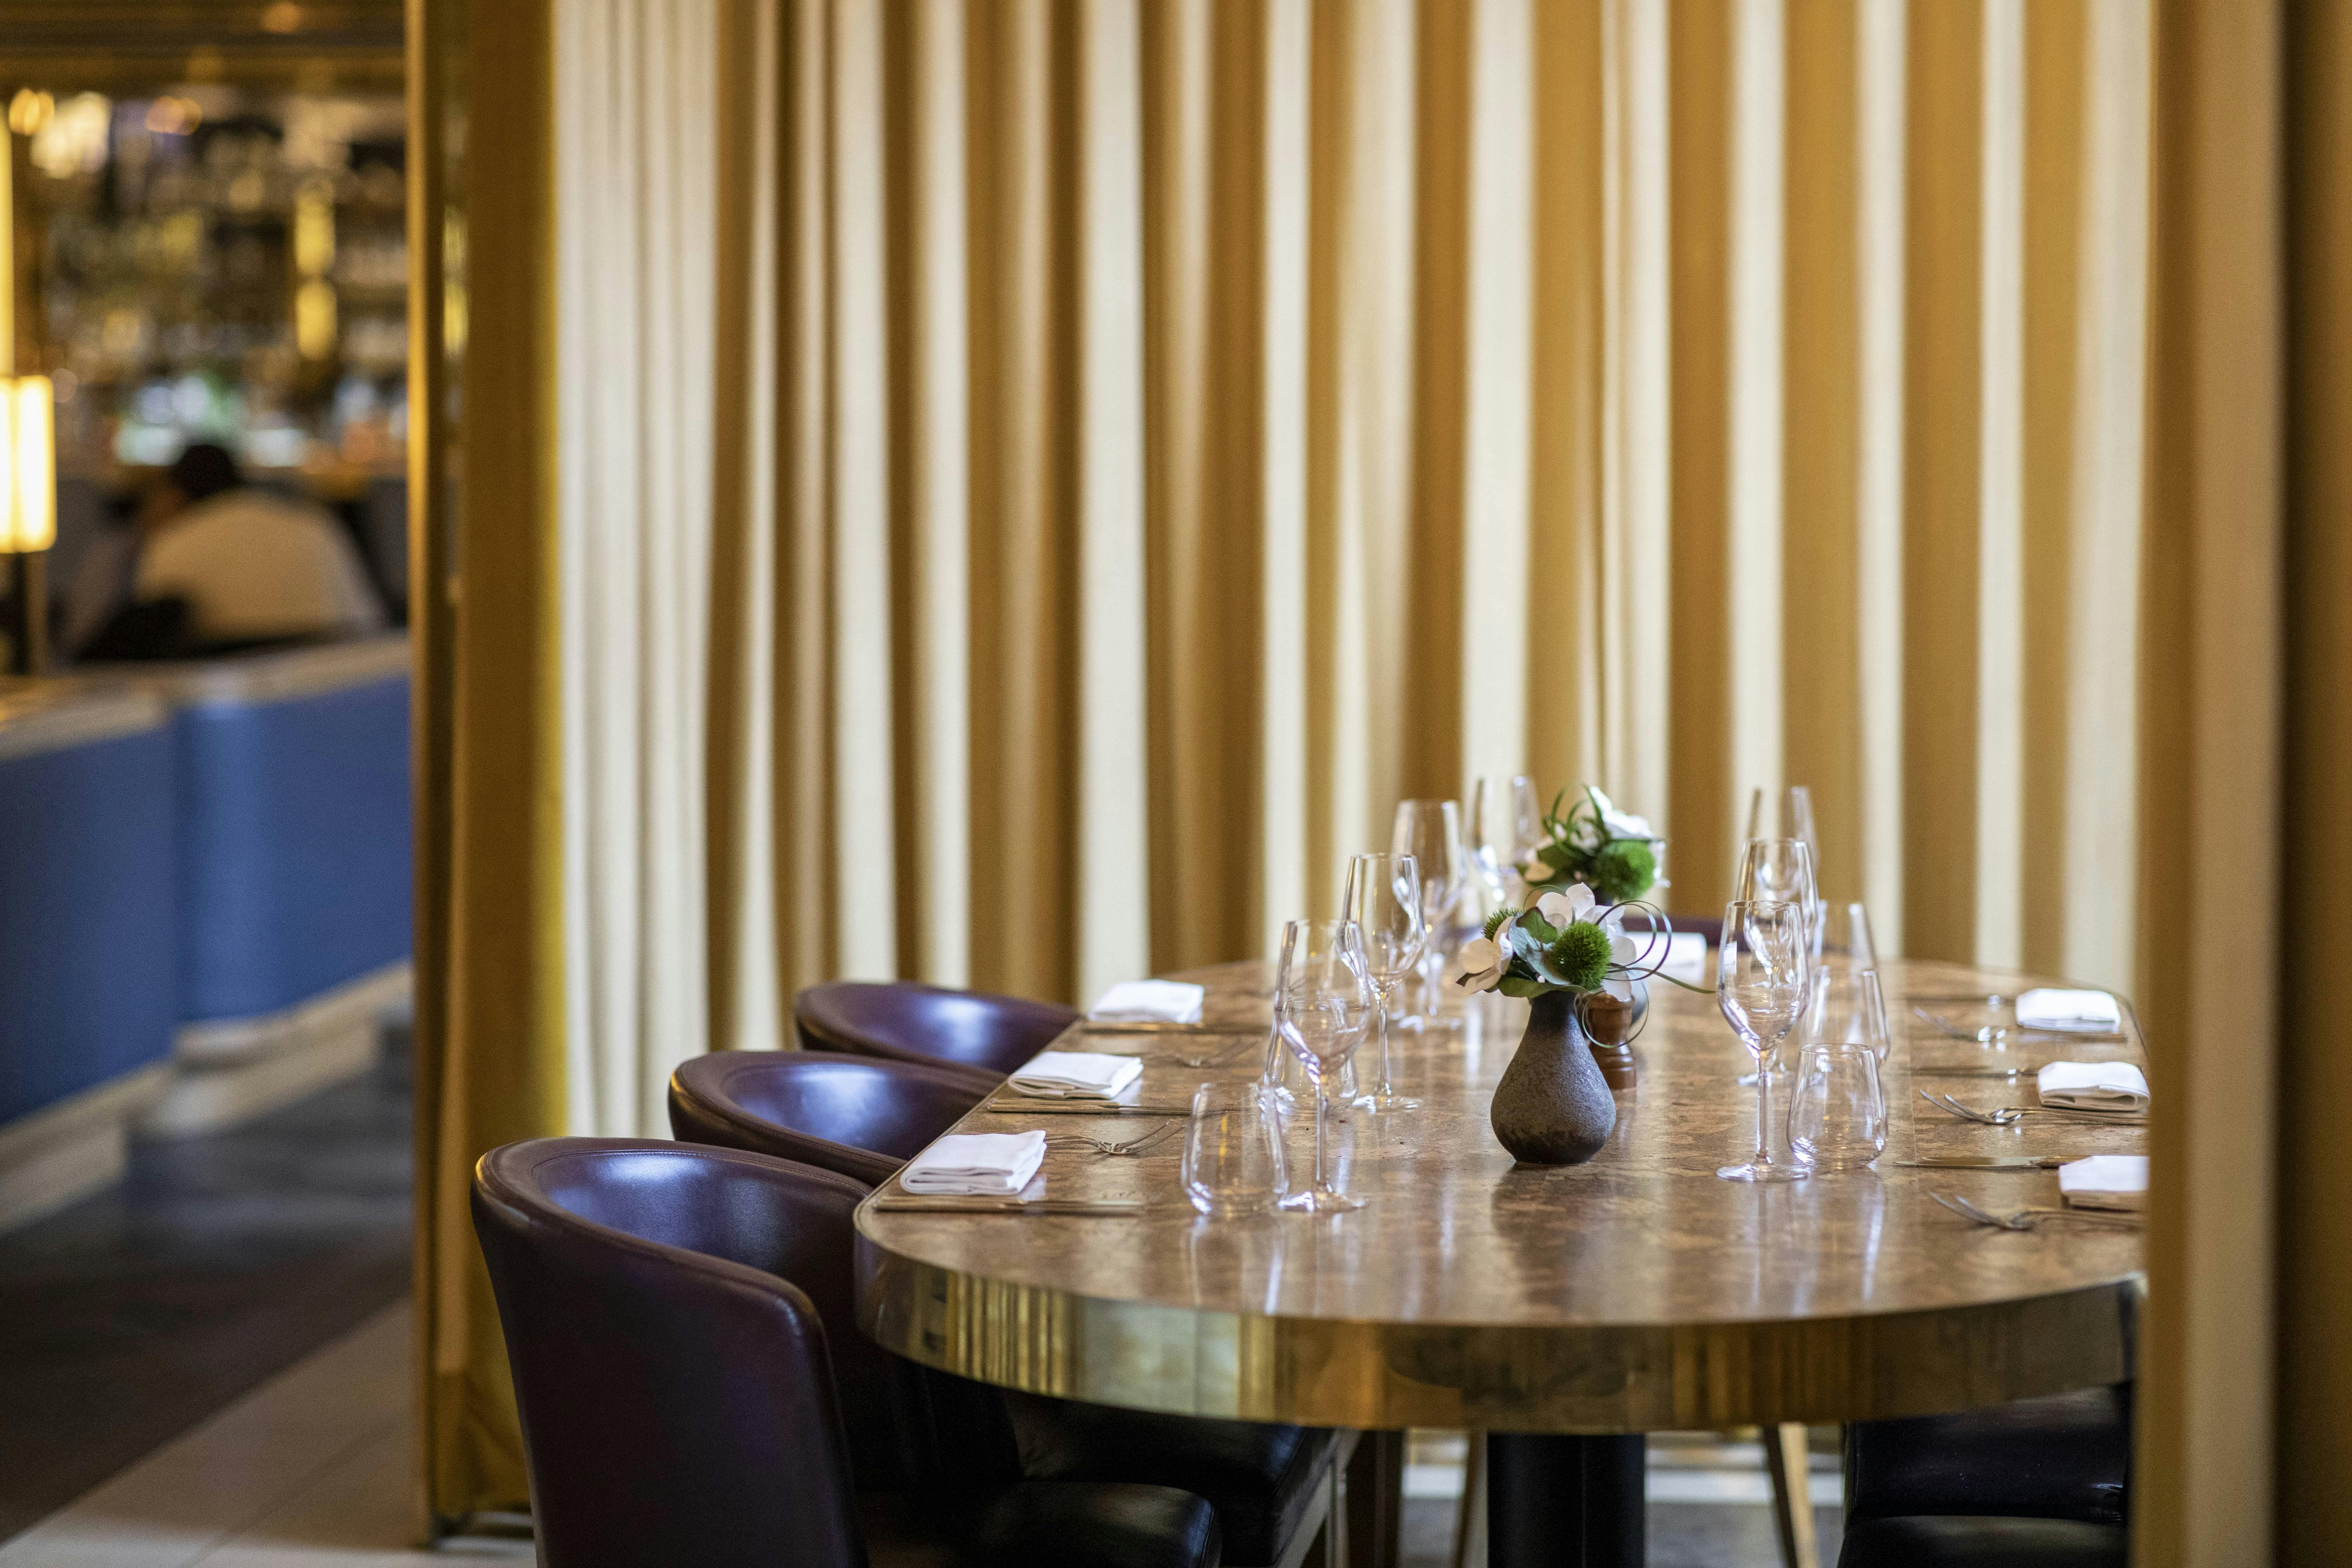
863, 1117
971, 1033
694, 1390
838, 1113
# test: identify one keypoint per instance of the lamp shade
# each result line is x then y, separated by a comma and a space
28, 465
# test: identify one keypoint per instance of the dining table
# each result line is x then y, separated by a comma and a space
1563, 1311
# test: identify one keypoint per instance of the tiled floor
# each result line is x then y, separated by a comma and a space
128, 1318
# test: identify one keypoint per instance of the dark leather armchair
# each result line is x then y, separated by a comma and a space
862, 1117
693, 1388
971, 1033
2040, 1482
857, 1117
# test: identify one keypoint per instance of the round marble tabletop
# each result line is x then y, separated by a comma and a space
1634, 1293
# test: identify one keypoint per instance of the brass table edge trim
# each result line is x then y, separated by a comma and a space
1318, 1372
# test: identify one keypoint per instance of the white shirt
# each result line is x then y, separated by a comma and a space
254, 564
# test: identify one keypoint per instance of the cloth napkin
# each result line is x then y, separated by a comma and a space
976, 1164
2094, 1085
1685, 955
2105, 1182
2091, 1012
1150, 1002
1076, 1075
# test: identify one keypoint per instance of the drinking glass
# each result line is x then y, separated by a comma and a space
1383, 898
1837, 1110
1506, 822
1763, 970
1846, 936
1780, 870
1233, 1150
1322, 1001
1783, 813
1430, 831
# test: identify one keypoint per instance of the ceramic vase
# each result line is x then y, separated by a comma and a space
1553, 1107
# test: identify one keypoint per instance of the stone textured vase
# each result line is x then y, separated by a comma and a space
1553, 1107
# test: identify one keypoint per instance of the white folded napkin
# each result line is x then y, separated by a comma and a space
1150, 1002
2091, 1012
2105, 1182
1076, 1075
2094, 1085
1685, 955
976, 1164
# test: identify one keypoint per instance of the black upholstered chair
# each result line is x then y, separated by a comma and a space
2039, 1482
971, 1032
857, 1117
863, 1117
693, 1388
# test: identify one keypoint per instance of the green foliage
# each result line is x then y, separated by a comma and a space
1624, 870
1523, 988
1580, 956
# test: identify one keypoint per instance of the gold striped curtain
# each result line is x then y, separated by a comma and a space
1154, 439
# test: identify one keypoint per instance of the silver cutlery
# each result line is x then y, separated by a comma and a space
1155, 1026
2027, 1219
917, 1204
1025, 1105
1992, 1161
2030, 1071
1128, 1147
2009, 1115
1991, 1032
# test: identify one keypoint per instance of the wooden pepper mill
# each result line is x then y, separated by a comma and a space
1609, 1023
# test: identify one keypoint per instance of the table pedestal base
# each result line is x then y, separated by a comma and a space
1564, 1502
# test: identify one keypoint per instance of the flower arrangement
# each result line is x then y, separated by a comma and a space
1568, 941
1594, 845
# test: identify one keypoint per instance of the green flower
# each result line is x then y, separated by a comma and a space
1580, 956
1624, 870
1494, 922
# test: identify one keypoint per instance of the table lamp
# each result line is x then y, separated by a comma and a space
28, 513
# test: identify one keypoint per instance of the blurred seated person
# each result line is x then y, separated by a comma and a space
215, 563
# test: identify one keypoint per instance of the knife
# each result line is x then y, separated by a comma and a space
1977, 1072
1021, 1105
1143, 1026
956, 1205
1992, 1161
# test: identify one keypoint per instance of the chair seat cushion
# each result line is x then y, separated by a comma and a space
1260, 1478
2065, 1457
1961, 1540
1040, 1524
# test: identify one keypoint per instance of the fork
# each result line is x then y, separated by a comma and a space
2027, 1219
1131, 1146
2009, 1115
1992, 1032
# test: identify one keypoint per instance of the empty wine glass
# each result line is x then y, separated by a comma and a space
1506, 822
1430, 831
1847, 944
1323, 1000
1783, 813
1383, 898
1763, 969
1779, 870
1837, 1107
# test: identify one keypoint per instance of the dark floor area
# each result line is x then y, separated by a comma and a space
131, 1316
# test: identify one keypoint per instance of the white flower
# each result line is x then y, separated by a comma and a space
1562, 910
1621, 824
1533, 868
1477, 967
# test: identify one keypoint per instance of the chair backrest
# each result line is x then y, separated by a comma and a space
928, 1024
861, 1116
680, 1323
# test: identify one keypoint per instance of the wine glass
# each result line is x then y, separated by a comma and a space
1322, 1000
1780, 870
1845, 930
1430, 831
1783, 813
1506, 822
1383, 898
1763, 973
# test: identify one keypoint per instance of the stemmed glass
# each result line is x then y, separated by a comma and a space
1783, 813
1780, 870
1322, 1000
1430, 831
1506, 822
1383, 898
1845, 928
1763, 974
